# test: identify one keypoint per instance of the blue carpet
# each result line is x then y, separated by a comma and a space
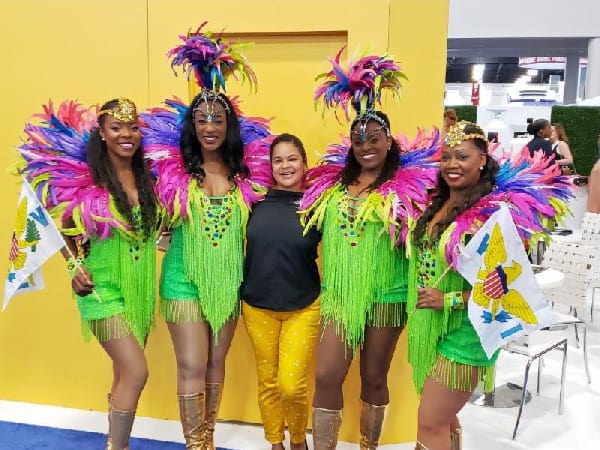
18, 436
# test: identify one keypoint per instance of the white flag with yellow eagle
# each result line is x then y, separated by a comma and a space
34, 240
506, 300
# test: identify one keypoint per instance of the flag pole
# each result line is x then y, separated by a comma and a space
80, 269
433, 286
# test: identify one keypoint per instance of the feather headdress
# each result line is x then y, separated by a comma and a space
360, 84
405, 195
211, 59
161, 131
536, 195
55, 164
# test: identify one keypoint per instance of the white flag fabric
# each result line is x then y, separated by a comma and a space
34, 240
506, 300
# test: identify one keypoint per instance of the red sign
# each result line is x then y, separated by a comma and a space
475, 93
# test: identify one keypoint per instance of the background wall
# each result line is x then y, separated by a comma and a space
516, 18
95, 50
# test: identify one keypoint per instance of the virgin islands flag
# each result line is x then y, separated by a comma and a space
35, 239
506, 300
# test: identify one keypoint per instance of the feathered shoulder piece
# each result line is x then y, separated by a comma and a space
404, 196
359, 83
161, 131
536, 195
55, 165
211, 59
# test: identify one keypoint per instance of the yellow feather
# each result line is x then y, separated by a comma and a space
514, 303
496, 252
480, 297
21, 219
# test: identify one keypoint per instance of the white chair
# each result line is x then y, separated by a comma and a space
579, 264
534, 346
590, 235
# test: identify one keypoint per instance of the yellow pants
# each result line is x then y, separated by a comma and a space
283, 344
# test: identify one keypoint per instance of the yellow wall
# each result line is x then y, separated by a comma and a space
94, 50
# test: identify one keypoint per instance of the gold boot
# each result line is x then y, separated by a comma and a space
371, 421
456, 439
419, 446
213, 401
119, 429
191, 412
325, 428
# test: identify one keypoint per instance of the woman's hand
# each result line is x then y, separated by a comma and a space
430, 298
82, 282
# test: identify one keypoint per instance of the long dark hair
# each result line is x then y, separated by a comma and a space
483, 187
232, 150
392, 161
104, 174
536, 126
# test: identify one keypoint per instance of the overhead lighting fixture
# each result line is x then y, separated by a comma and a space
477, 72
532, 72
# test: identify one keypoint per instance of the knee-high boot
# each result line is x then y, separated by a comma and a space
191, 411
325, 428
456, 439
371, 421
214, 392
119, 429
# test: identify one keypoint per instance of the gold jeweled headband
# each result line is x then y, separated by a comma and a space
124, 111
456, 134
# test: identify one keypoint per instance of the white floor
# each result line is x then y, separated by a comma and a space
484, 428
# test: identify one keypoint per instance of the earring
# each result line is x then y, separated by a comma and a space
103, 139
480, 167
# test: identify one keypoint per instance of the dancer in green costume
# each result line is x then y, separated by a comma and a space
444, 349
109, 207
363, 199
200, 153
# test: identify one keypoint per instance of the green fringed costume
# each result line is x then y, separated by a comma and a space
123, 267
447, 333
203, 268
364, 275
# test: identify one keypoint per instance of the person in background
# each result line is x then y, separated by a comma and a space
540, 129
280, 290
593, 204
560, 145
450, 119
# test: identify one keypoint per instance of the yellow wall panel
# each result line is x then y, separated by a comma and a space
92, 50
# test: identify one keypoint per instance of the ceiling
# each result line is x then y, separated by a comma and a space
501, 57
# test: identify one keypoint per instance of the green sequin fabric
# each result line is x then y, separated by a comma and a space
124, 272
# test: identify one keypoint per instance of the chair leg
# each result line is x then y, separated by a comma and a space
576, 334
539, 374
561, 398
592, 307
523, 395
585, 355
